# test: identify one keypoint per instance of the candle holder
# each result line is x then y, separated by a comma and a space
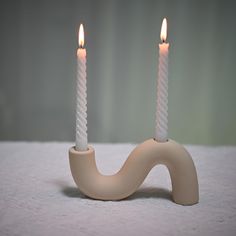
135, 169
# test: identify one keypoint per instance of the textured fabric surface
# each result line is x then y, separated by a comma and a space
38, 195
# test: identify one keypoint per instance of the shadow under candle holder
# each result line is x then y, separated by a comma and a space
135, 169
143, 192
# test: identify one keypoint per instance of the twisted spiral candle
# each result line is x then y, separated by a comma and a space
162, 89
81, 99
162, 96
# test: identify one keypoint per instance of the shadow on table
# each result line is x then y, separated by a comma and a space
151, 192
72, 192
68, 191
144, 192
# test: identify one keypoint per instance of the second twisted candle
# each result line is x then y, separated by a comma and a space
162, 88
81, 96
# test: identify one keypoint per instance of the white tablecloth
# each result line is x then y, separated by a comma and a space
38, 195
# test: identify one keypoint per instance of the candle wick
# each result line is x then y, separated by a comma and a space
81, 47
163, 41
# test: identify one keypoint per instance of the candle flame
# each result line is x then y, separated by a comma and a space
81, 36
164, 30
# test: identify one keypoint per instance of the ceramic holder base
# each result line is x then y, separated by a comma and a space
135, 169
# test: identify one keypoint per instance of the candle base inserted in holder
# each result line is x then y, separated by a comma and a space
135, 169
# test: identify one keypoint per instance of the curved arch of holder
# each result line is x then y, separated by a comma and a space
135, 169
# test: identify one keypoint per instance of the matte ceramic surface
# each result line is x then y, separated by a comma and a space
135, 169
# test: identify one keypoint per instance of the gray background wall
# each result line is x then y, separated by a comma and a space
38, 41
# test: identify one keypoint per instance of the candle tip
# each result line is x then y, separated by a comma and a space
164, 30
81, 36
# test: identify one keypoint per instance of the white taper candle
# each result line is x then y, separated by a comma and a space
162, 88
81, 96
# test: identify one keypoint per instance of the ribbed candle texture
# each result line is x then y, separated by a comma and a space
162, 87
162, 95
81, 102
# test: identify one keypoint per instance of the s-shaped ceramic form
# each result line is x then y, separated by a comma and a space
135, 169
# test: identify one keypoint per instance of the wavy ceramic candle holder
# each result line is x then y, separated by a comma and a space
135, 169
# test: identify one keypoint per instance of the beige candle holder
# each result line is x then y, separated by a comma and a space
132, 174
